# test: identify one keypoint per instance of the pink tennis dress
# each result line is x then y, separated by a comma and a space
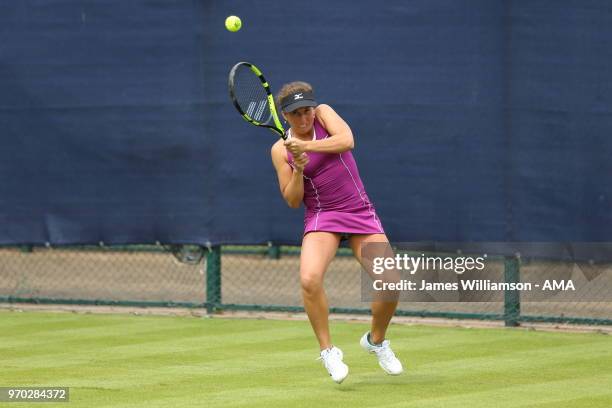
334, 196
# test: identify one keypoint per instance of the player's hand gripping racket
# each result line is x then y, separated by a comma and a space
251, 95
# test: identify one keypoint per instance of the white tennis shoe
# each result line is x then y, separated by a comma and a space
332, 360
386, 357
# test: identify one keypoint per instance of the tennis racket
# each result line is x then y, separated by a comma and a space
252, 97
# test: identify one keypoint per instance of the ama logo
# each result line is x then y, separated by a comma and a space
551, 284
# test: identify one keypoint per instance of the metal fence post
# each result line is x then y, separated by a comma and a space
512, 301
273, 251
213, 278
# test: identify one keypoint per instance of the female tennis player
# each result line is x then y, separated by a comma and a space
315, 165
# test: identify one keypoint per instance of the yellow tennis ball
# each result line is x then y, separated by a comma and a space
233, 23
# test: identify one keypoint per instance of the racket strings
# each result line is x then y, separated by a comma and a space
251, 95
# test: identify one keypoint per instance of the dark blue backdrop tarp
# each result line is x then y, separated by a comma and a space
474, 120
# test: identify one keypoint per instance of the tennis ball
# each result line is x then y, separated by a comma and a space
233, 23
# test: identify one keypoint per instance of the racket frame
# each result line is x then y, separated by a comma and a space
276, 125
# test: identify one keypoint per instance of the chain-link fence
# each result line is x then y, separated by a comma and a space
267, 278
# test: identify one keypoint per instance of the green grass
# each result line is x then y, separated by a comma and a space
151, 361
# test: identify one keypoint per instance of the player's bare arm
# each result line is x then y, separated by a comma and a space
340, 135
290, 180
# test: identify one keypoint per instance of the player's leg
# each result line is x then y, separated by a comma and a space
318, 250
383, 308
382, 311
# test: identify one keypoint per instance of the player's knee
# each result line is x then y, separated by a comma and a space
311, 284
